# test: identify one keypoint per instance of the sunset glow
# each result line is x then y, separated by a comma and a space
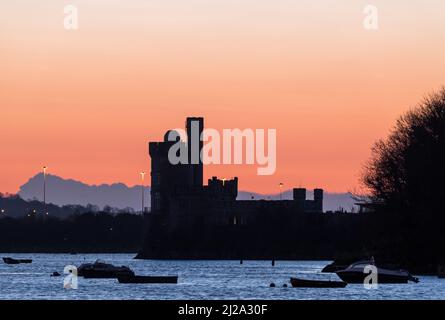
86, 102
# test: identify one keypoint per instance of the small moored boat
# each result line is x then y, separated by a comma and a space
9, 260
148, 279
305, 283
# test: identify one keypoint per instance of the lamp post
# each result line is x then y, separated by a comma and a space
44, 186
281, 193
142, 189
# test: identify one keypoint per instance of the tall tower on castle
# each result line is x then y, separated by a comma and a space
195, 127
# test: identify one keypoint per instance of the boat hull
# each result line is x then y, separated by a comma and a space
358, 277
303, 283
103, 274
8, 260
25, 261
148, 279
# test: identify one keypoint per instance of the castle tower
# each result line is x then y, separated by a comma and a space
195, 127
318, 199
300, 194
300, 198
166, 178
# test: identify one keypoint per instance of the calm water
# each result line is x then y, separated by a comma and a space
197, 280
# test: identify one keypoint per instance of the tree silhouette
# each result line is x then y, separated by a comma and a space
407, 169
406, 175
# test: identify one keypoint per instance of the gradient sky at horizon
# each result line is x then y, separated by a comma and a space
85, 103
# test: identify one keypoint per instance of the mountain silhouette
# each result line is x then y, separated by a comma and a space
62, 191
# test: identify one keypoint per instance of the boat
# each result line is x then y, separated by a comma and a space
9, 260
147, 279
100, 269
355, 273
305, 283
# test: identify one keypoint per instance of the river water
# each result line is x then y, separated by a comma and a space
198, 279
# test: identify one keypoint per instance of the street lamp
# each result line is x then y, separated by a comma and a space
44, 186
142, 189
281, 193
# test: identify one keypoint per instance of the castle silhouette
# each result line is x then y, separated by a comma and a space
185, 212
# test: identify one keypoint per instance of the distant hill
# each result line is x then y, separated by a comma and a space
67, 191
13, 206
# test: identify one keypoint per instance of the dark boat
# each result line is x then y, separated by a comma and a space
355, 273
304, 283
9, 260
148, 279
100, 269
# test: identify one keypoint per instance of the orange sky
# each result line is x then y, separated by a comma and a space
86, 102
